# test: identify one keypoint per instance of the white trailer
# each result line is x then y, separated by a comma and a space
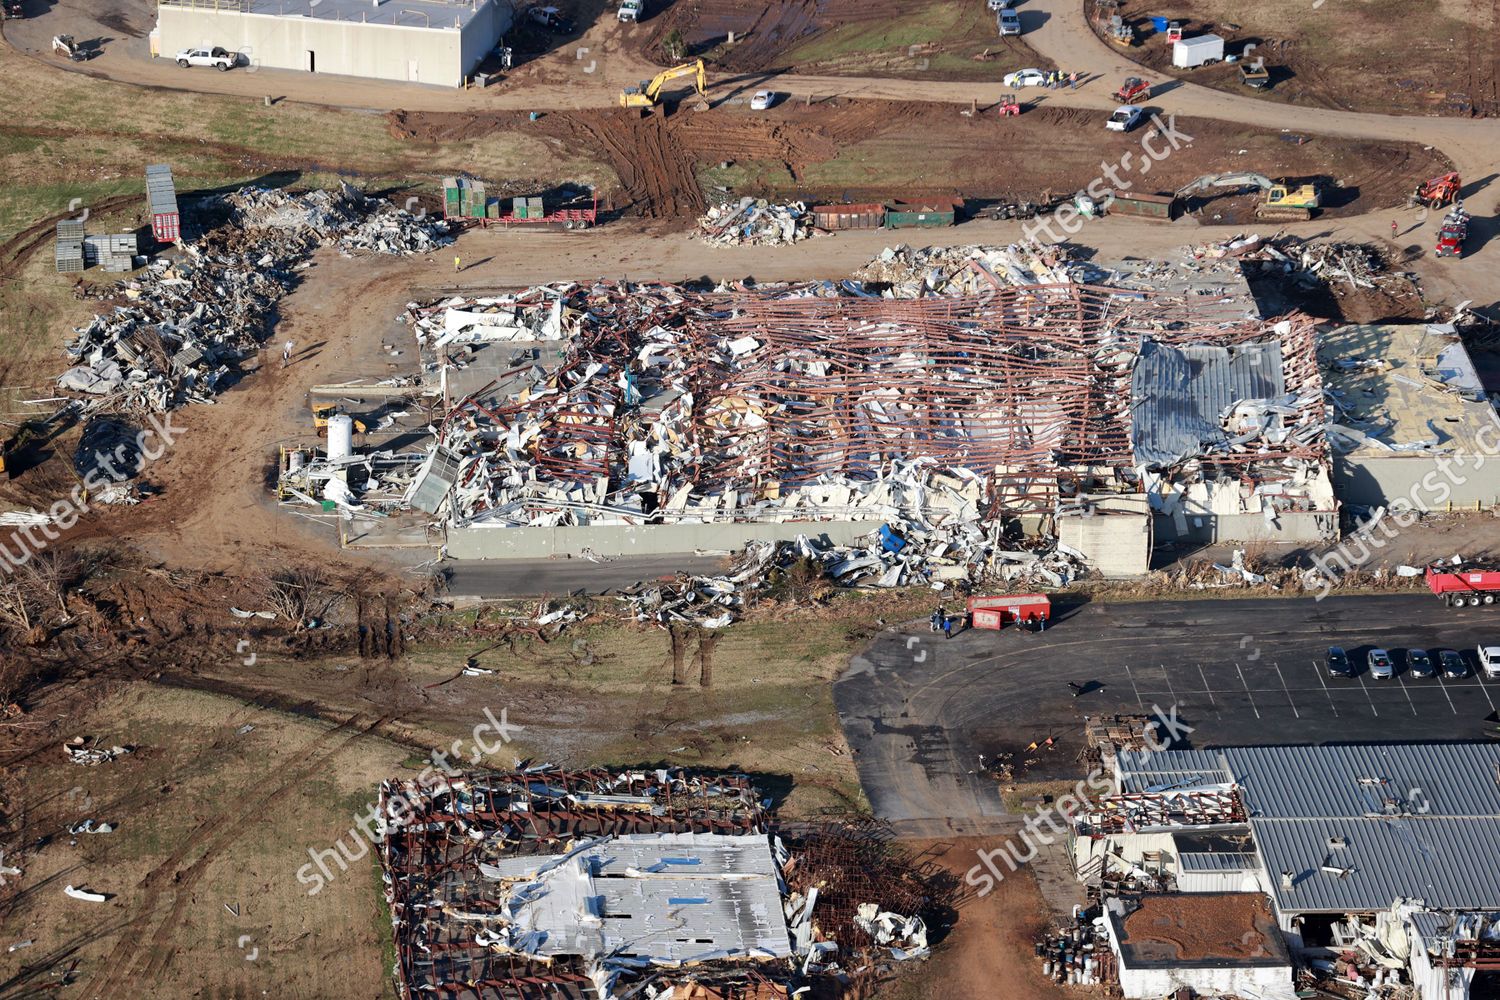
1200, 51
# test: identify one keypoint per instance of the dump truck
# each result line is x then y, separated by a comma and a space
1280, 202
647, 97
1451, 235
1464, 584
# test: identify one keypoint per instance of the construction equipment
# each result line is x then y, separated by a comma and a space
18, 453
13, 10
1174, 32
647, 97
1132, 90
1436, 193
1280, 202
1009, 105
65, 46
1452, 233
322, 411
1255, 76
1470, 584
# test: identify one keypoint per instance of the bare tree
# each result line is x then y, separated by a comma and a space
303, 595
33, 596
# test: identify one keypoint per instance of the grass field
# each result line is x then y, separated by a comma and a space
940, 38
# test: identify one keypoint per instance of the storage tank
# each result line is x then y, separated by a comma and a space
340, 436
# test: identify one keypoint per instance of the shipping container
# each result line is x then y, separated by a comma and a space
1146, 206
864, 216
922, 215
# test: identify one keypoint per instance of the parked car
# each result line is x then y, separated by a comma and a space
1125, 118
1025, 78
1452, 664
1381, 667
1010, 22
630, 11
1489, 660
1338, 662
552, 19
1418, 663
762, 100
220, 59
998, 4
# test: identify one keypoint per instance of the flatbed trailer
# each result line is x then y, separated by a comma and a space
1461, 586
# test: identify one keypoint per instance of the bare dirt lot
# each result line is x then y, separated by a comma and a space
933, 39
1443, 59
841, 148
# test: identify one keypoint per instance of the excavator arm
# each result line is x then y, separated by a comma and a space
1226, 180
694, 69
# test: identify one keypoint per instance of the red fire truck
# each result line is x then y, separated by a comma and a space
1464, 585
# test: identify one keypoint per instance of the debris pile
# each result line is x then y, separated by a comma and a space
191, 324
703, 897
935, 555
755, 221
89, 754
905, 273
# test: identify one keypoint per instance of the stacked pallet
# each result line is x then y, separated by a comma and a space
115, 252
69, 254
161, 193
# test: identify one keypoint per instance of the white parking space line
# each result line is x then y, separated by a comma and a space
1138, 700
1167, 675
1369, 696
1444, 688
1408, 695
1479, 676
1318, 670
1205, 685
1288, 690
1247, 689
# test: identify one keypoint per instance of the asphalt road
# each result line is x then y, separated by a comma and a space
921, 711
536, 577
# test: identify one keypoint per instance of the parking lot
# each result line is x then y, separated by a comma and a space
925, 714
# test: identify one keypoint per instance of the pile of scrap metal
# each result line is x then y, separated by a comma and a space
755, 221
191, 323
601, 884
1309, 262
904, 273
960, 551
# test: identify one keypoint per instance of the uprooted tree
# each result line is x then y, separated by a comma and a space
303, 595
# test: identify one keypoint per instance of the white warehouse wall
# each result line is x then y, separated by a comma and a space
442, 56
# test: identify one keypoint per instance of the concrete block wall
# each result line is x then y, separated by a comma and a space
480, 542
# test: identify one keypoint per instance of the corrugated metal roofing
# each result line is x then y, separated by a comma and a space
1444, 862
1218, 861
1178, 393
1146, 767
1434, 779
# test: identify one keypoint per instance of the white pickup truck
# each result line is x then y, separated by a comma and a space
220, 59
630, 11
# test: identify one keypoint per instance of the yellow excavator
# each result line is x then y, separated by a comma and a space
1280, 201
647, 97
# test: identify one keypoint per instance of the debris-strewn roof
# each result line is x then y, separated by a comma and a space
1356, 826
1181, 395
1213, 929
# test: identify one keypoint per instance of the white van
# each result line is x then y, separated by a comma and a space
1489, 660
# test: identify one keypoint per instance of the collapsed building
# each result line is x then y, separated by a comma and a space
1369, 857
636, 883
1016, 396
